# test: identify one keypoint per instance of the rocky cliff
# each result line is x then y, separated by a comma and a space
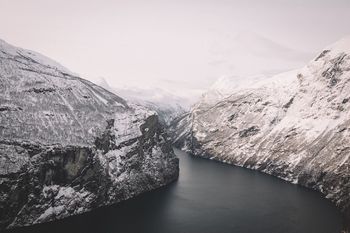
68, 146
295, 126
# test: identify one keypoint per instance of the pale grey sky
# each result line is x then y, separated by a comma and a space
181, 45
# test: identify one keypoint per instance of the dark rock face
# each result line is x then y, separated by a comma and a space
249, 131
295, 126
68, 146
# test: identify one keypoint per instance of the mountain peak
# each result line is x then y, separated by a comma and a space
34, 56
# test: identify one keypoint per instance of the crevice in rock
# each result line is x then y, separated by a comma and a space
249, 131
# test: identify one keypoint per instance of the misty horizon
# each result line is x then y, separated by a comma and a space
181, 47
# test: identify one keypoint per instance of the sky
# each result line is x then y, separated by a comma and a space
182, 45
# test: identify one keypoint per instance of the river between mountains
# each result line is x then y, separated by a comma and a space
210, 197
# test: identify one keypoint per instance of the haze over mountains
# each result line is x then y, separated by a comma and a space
246, 53
244, 59
166, 104
235, 61
179, 46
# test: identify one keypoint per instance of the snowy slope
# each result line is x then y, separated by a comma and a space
68, 146
294, 126
226, 85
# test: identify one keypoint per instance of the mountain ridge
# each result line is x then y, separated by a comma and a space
68, 146
296, 130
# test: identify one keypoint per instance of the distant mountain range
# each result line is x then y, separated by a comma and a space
166, 104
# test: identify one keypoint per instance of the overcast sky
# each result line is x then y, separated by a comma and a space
182, 45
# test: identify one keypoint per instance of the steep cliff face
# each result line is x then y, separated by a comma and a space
295, 126
68, 146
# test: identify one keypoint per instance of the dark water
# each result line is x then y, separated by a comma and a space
211, 197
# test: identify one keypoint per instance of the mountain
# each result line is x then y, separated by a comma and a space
167, 105
68, 146
226, 85
294, 126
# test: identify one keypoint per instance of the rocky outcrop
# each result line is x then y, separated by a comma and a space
68, 146
294, 126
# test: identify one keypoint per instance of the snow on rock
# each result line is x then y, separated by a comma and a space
294, 126
66, 139
61, 196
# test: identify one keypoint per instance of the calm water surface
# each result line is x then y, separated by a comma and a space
211, 197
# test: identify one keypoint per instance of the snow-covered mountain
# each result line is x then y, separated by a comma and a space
294, 126
68, 146
225, 86
167, 105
